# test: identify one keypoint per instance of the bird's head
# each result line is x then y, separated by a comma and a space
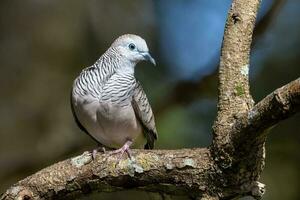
133, 48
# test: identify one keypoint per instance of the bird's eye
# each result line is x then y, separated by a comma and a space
131, 46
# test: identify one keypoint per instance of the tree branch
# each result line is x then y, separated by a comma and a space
242, 157
229, 168
178, 172
187, 91
277, 106
234, 94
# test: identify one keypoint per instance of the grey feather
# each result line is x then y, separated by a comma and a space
145, 115
78, 122
109, 104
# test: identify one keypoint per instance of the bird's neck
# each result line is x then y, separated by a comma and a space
112, 62
121, 64
107, 64
126, 69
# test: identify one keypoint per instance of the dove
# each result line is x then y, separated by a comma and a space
109, 104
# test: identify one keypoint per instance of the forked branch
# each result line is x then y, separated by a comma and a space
229, 168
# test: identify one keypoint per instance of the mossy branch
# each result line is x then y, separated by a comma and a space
229, 168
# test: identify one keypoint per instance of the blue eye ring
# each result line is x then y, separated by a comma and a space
131, 46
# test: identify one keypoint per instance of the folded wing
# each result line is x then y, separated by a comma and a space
145, 115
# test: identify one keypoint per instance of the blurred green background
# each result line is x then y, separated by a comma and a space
45, 44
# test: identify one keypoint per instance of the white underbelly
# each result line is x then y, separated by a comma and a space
110, 124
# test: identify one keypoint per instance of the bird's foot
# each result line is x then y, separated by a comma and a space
96, 150
123, 149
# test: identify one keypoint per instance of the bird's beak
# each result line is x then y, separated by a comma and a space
148, 57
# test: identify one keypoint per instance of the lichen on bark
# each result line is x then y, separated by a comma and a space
229, 168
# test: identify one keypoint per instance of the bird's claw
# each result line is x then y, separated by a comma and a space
124, 148
95, 151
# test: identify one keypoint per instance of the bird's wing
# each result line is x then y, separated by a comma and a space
145, 115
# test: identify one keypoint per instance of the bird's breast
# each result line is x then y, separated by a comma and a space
119, 124
111, 124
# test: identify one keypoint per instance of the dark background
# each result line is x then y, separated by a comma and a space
45, 44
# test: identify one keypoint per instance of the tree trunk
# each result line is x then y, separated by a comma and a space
229, 168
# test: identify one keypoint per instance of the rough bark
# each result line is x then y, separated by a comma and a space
229, 168
170, 171
235, 100
279, 105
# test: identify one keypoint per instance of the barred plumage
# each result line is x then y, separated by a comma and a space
107, 101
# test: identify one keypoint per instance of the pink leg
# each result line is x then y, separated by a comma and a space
124, 148
100, 148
